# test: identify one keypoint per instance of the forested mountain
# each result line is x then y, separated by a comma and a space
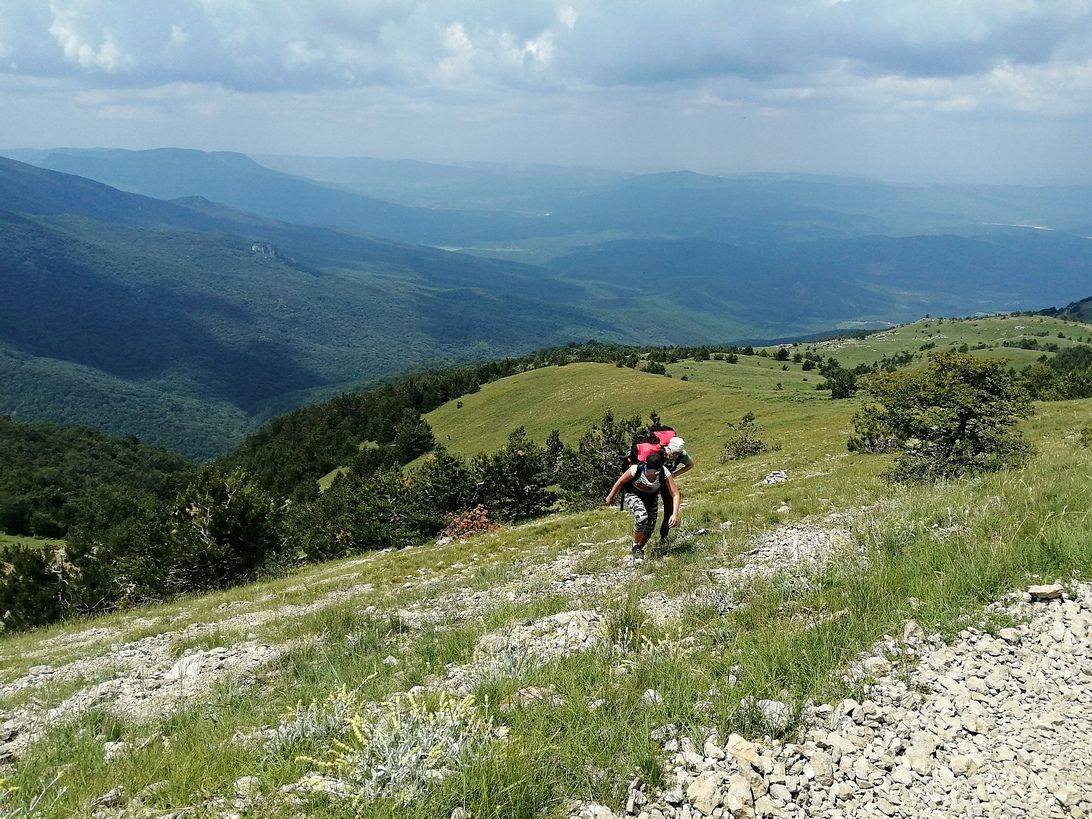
47, 470
188, 322
208, 331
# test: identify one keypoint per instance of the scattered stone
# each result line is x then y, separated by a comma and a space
111, 799
652, 697
246, 787
532, 695
704, 792
774, 478
112, 750
1041, 593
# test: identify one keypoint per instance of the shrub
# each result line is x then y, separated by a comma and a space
956, 416
743, 441
443, 483
365, 512
222, 531
31, 586
317, 722
558, 456
118, 551
598, 459
394, 751
412, 436
513, 482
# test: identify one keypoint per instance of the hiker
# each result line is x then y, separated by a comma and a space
640, 486
678, 462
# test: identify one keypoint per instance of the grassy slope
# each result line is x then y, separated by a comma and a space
952, 547
949, 333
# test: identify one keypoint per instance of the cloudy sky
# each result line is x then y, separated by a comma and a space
979, 90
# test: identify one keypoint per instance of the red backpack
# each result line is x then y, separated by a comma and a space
646, 445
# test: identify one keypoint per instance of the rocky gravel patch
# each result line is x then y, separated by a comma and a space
512, 651
988, 726
795, 550
146, 678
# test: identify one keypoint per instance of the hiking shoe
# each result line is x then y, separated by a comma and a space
638, 554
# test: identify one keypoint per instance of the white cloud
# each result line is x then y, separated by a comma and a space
550, 70
254, 45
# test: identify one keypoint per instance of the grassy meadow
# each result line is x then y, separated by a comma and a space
936, 554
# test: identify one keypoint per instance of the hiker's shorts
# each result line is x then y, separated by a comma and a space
644, 508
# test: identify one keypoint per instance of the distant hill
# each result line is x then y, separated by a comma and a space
1075, 311
237, 181
777, 290
491, 186
539, 211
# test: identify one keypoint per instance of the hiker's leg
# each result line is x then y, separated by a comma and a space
669, 507
643, 508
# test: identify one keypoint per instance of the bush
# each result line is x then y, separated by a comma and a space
402, 746
514, 481
443, 483
118, 551
412, 436
1085, 436
31, 586
378, 510
743, 442
599, 457
955, 417
222, 531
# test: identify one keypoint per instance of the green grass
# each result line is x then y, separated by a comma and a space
948, 333
948, 548
29, 540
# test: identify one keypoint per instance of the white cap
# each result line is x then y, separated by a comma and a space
675, 445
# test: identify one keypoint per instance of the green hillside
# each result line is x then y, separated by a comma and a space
264, 663
574, 397
986, 336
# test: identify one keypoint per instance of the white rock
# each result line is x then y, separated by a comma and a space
1053, 591
652, 697
704, 792
741, 749
876, 666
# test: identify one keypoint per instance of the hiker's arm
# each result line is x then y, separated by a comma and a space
682, 469
623, 479
676, 501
